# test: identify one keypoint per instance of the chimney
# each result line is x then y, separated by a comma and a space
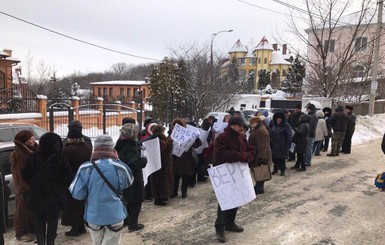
275, 46
8, 51
284, 48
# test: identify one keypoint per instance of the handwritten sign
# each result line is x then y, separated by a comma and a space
183, 139
232, 184
152, 153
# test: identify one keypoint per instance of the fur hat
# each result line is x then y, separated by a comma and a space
320, 114
349, 107
157, 129
128, 120
74, 133
104, 141
255, 119
298, 106
75, 124
23, 136
236, 121
339, 108
129, 131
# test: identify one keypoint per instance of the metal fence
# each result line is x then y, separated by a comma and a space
18, 99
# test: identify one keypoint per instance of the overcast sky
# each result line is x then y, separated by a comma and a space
148, 28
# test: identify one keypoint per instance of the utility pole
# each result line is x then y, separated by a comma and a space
374, 83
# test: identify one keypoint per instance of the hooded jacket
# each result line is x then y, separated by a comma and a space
280, 137
301, 136
339, 120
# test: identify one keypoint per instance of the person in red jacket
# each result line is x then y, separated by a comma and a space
230, 147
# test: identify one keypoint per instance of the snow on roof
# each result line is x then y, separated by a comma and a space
225, 64
126, 82
277, 59
250, 49
238, 47
264, 45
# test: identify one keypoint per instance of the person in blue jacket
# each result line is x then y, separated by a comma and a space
104, 211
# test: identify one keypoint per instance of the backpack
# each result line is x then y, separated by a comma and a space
379, 181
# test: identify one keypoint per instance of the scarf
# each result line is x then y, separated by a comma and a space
101, 152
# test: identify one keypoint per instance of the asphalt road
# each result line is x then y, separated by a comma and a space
333, 202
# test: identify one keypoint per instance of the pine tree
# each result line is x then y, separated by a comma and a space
294, 79
264, 79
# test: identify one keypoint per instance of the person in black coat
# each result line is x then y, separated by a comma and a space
350, 127
3, 206
129, 153
301, 137
311, 110
338, 122
77, 125
47, 177
280, 142
293, 121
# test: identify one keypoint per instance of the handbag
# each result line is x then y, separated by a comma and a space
109, 184
262, 173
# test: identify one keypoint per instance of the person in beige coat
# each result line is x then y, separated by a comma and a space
259, 139
320, 133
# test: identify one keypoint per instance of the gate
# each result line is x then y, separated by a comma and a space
60, 114
18, 99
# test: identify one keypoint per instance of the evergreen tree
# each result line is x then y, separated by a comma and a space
294, 79
264, 79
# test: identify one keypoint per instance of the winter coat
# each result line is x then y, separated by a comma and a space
280, 137
129, 153
301, 135
3, 203
103, 207
184, 165
86, 139
321, 131
294, 118
351, 125
259, 139
23, 217
313, 123
162, 180
48, 178
230, 147
339, 121
75, 153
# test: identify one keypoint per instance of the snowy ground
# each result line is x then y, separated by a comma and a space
334, 202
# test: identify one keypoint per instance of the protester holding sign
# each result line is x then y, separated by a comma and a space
184, 164
230, 147
162, 180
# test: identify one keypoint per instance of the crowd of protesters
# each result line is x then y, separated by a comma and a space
101, 186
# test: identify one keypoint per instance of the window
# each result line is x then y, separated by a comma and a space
358, 71
242, 61
121, 92
128, 92
143, 93
259, 60
99, 92
243, 106
110, 92
2, 80
105, 92
361, 44
253, 61
329, 45
265, 61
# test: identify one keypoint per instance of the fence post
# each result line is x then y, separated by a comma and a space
99, 102
43, 110
104, 119
118, 109
75, 102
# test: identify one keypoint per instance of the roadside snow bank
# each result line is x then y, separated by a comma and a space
368, 128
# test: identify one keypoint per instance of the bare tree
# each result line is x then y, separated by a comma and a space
333, 38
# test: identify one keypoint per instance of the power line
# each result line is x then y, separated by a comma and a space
77, 39
261, 7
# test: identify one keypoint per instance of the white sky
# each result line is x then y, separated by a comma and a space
140, 27
148, 28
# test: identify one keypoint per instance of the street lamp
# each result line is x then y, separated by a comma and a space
211, 45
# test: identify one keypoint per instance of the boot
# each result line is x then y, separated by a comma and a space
275, 170
40, 239
221, 236
51, 239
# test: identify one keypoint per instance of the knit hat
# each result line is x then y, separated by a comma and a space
349, 107
129, 131
74, 133
320, 114
255, 119
75, 124
23, 136
157, 129
236, 121
104, 141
